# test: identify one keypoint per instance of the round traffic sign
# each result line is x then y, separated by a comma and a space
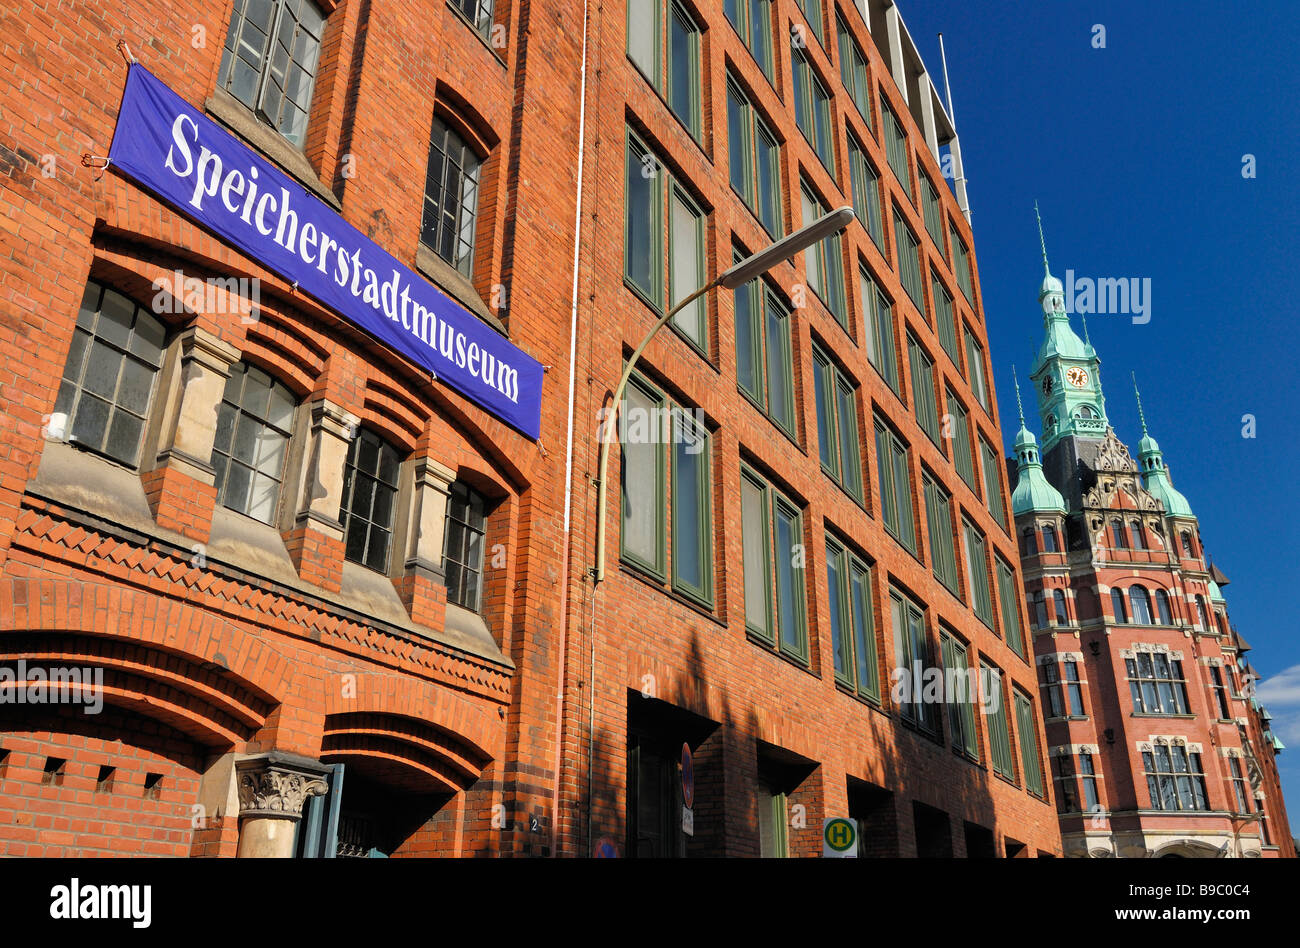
840, 834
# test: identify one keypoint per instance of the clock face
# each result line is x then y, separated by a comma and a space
1077, 377
1047, 385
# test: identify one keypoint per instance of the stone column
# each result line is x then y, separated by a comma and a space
273, 788
180, 488
422, 584
894, 35
315, 541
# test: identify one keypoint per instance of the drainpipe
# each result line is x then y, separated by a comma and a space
568, 459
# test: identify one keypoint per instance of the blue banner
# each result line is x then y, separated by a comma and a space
174, 151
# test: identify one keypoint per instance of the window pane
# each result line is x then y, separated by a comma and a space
642, 36
692, 544
835, 596
779, 370
642, 477
754, 527
788, 592
687, 268
748, 350
642, 249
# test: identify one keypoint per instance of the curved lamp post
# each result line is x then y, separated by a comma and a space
740, 274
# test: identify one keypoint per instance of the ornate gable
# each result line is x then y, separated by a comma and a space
1116, 472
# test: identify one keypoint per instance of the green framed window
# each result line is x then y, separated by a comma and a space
960, 698
999, 733
1175, 776
812, 109
909, 260
1009, 597
933, 212
825, 261
837, 424
772, 535
895, 485
853, 637
993, 483
764, 363
938, 515
752, 20
812, 11
878, 332
977, 572
664, 242
692, 509
865, 183
773, 822
975, 366
755, 159
663, 40
923, 394
912, 654
961, 265
853, 71
1028, 733
959, 425
945, 318
666, 487
644, 476
896, 148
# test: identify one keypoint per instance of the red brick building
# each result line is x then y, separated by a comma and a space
330, 604
1157, 744
789, 536
288, 549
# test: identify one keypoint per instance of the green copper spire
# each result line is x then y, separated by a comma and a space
1042, 241
1033, 492
1155, 475
1066, 371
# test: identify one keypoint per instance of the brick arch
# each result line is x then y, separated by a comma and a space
162, 658
413, 721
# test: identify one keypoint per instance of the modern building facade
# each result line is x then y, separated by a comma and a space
274, 505
809, 494
1157, 746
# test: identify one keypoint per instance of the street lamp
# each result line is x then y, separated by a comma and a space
740, 274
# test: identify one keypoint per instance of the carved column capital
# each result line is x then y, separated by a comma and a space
277, 785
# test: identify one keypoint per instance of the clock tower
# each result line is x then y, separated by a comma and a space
1066, 373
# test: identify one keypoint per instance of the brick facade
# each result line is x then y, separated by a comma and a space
243, 656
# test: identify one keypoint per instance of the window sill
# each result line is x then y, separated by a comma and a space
1156, 714
641, 575
777, 652
240, 120
456, 286
487, 44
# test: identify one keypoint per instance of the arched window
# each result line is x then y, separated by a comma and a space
1163, 614
1117, 534
254, 423
1058, 603
1050, 544
1031, 543
274, 78
108, 380
1186, 539
1135, 532
1087, 411
1117, 604
369, 500
451, 197
1141, 603
1201, 614
1040, 609
1049, 425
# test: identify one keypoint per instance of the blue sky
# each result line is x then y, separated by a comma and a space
1135, 155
